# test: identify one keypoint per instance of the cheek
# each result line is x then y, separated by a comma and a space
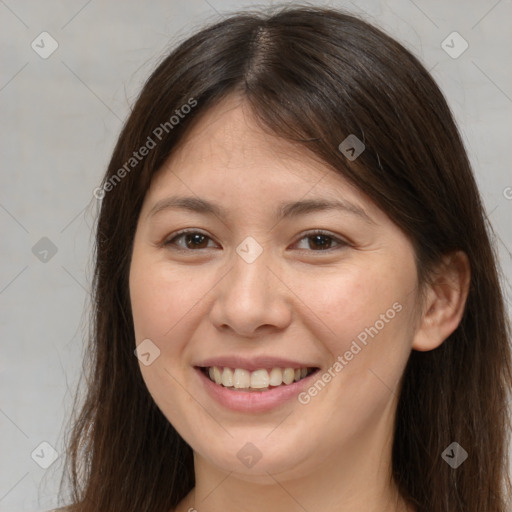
161, 296
149, 304
159, 306
376, 322
363, 298
368, 315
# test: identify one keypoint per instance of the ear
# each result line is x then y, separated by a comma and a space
445, 300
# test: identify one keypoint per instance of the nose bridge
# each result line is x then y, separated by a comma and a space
249, 279
250, 296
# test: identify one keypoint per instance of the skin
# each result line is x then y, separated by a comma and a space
294, 301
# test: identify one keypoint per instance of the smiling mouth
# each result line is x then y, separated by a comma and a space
239, 379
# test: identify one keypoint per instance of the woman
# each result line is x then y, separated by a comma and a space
297, 304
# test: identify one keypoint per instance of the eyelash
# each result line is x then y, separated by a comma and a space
318, 232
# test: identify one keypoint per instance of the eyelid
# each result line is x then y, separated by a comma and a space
340, 241
168, 241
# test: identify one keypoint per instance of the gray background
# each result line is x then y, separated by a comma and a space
60, 119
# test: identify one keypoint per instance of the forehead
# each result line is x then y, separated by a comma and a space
228, 155
229, 136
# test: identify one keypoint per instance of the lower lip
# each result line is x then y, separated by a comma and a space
254, 401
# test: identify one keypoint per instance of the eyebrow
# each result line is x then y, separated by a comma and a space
284, 210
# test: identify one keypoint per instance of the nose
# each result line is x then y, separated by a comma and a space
252, 299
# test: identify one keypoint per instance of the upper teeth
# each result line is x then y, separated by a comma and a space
258, 379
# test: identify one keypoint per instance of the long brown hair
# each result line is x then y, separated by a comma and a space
314, 76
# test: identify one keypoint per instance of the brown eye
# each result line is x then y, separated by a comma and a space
322, 241
189, 240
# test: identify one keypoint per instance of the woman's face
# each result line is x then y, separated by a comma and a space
253, 291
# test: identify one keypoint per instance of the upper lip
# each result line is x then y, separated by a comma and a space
255, 363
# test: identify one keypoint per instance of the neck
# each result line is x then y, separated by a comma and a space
350, 475
353, 480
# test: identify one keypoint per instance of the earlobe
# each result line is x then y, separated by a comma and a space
444, 303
